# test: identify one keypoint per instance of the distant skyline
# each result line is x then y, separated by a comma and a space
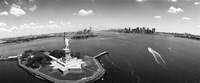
30, 17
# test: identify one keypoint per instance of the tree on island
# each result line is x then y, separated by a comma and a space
58, 53
77, 55
35, 59
26, 54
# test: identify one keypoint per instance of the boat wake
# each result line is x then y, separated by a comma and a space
157, 56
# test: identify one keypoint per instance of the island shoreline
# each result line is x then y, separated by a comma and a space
43, 76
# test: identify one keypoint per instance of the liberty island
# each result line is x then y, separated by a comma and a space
64, 68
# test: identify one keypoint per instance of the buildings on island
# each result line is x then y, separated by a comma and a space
67, 63
142, 30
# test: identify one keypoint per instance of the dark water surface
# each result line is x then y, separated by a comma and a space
129, 60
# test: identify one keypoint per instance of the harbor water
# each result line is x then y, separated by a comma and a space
133, 58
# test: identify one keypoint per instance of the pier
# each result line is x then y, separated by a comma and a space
5, 58
101, 54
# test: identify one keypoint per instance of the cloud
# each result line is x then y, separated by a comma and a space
83, 12
140, 0
44, 26
159, 17
196, 3
175, 10
51, 22
5, 2
92, 0
186, 18
13, 28
16, 10
32, 23
25, 27
4, 29
32, 0
2, 24
68, 22
74, 14
32, 8
173, 0
52, 25
4, 13
25, 24
178, 23
62, 23
36, 26
65, 23
198, 25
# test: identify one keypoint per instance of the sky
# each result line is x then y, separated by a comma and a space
31, 17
